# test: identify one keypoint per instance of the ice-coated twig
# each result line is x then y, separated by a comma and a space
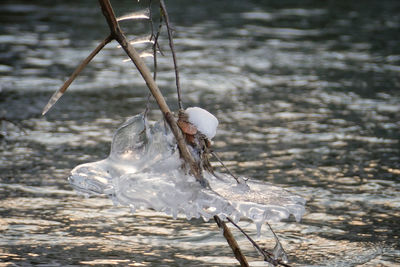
268, 257
278, 251
171, 44
231, 241
56, 96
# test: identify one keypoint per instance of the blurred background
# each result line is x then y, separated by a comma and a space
307, 95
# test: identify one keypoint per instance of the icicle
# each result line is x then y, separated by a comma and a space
144, 170
52, 101
258, 226
132, 208
174, 213
278, 252
142, 14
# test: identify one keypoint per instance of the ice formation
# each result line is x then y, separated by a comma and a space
144, 170
204, 121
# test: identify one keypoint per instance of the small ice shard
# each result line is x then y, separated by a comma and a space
143, 170
278, 252
205, 122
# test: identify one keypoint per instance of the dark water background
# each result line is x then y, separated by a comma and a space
307, 95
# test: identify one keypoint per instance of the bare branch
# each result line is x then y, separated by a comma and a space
78, 70
232, 242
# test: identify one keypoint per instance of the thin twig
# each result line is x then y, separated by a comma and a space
155, 46
171, 44
56, 96
231, 241
154, 58
268, 257
151, 19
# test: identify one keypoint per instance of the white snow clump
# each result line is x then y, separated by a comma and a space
204, 121
144, 171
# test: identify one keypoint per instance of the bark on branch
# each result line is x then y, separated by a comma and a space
232, 242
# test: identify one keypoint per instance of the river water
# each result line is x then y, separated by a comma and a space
307, 95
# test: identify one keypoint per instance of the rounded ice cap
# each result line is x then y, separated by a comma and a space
204, 121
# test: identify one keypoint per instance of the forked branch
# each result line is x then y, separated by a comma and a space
268, 257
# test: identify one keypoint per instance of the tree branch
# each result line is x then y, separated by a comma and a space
119, 36
232, 242
78, 70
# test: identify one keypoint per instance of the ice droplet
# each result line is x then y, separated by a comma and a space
143, 170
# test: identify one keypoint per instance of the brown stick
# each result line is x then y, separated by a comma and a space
54, 98
232, 242
119, 36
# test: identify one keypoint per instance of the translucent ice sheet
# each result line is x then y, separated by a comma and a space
144, 170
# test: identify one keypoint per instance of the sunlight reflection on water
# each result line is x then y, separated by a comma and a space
307, 99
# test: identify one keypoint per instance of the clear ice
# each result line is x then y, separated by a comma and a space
144, 170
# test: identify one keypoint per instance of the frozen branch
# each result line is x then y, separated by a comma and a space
195, 168
119, 36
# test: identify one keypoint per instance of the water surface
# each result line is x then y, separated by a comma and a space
307, 95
